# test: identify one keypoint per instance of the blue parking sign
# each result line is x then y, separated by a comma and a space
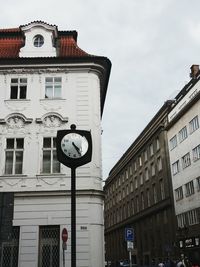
129, 234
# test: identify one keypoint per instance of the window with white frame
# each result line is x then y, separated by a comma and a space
175, 167
159, 163
194, 124
186, 160
192, 217
18, 88
173, 142
181, 219
189, 188
183, 134
50, 162
179, 193
196, 153
53, 87
14, 155
198, 183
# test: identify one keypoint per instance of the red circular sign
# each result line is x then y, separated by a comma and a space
64, 235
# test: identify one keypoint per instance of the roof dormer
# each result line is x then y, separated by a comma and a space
39, 40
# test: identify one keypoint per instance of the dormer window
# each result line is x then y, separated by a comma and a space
38, 40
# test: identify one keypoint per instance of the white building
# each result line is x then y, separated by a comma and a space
48, 83
184, 151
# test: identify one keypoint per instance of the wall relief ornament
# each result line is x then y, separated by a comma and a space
15, 121
52, 120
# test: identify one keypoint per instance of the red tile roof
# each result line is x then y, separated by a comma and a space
69, 48
9, 47
11, 40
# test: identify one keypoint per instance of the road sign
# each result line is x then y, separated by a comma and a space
130, 245
129, 234
64, 235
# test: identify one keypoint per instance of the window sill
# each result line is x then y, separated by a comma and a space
17, 100
13, 176
50, 174
52, 99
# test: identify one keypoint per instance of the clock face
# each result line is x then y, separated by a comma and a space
74, 145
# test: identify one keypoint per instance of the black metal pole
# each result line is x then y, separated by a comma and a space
73, 217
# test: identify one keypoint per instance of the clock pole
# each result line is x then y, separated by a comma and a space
74, 149
73, 217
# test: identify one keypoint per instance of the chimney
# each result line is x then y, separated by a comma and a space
194, 71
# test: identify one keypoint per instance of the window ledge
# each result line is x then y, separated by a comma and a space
53, 99
50, 174
13, 176
17, 100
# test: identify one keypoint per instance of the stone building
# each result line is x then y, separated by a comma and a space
138, 195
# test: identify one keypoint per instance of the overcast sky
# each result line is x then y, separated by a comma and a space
151, 44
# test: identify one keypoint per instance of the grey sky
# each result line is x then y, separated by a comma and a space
151, 44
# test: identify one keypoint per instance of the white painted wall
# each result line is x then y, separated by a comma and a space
54, 209
80, 104
192, 171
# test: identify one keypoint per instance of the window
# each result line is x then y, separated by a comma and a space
179, 193
183, 134
192, 217
173, 142
38, 40
175, 167
151, 149
10, 249
162, 189
153, 170
189, 188
53, 87
194, 124
157, 143
18, 88
145, 155
142, 200
49, 250
148, 198
186, 160
136, 183
50, 162
141, 179
181, 218
196, 153
14, 155
159, 163
137, 203
146, 172
154, 193
198, 183
140, 161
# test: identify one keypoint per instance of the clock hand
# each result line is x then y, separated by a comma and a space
77, 148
